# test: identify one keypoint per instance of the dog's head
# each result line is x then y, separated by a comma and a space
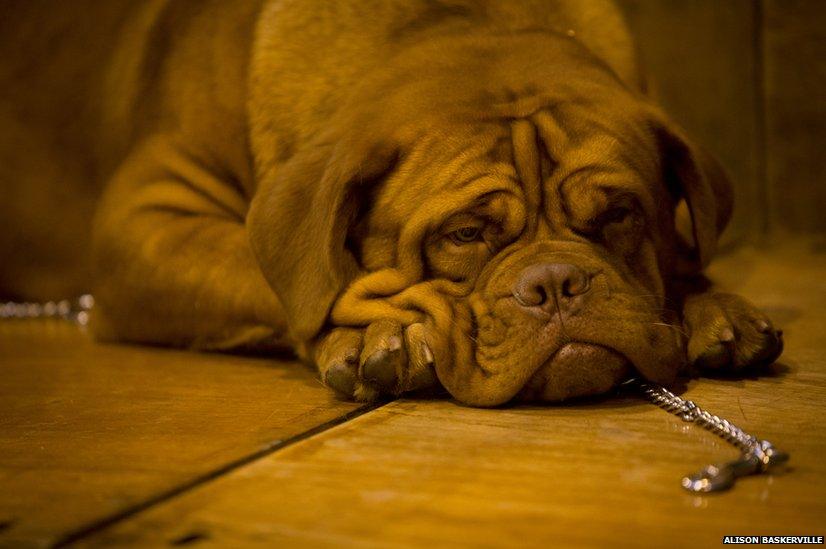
514, 196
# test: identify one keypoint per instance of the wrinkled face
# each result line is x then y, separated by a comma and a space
534, 249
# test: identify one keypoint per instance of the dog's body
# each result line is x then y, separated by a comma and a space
478, 190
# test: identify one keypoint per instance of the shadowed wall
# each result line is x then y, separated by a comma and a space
745, 77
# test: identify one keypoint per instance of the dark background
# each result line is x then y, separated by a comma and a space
747, 78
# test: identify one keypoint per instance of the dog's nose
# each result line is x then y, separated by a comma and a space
549, 283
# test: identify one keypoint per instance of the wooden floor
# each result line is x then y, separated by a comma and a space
105, 445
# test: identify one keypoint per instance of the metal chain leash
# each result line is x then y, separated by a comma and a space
76, 311
758, 456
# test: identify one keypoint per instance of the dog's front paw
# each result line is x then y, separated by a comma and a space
383, 359
727, 333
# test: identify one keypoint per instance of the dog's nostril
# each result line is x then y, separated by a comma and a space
577, 284
538, 296
530, 296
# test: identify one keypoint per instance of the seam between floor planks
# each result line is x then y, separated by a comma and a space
97, 525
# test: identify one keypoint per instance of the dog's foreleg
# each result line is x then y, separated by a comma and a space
173, 264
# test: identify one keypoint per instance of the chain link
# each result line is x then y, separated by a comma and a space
76, 311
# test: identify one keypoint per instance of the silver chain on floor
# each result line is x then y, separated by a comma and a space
758, 456
76, 310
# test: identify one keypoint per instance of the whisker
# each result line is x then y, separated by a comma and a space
672, 326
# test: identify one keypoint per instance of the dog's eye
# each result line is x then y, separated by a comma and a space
466, 235
621, 218
614, 215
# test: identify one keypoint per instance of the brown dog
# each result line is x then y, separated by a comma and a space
477, 192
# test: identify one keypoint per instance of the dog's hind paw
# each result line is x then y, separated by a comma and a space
383, 359
727, 333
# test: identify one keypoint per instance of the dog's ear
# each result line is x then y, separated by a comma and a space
299, 222
702, 191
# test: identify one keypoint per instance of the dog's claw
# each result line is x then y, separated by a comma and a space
380, 369
341, 377
421, 373
427, 354
727, 335
762, 326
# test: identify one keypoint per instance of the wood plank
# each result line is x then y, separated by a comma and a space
433, 473
88, 431
794, 48
703, 62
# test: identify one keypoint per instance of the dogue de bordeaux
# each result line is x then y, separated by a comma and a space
474, 195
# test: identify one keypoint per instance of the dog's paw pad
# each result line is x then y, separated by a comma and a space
727, 333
